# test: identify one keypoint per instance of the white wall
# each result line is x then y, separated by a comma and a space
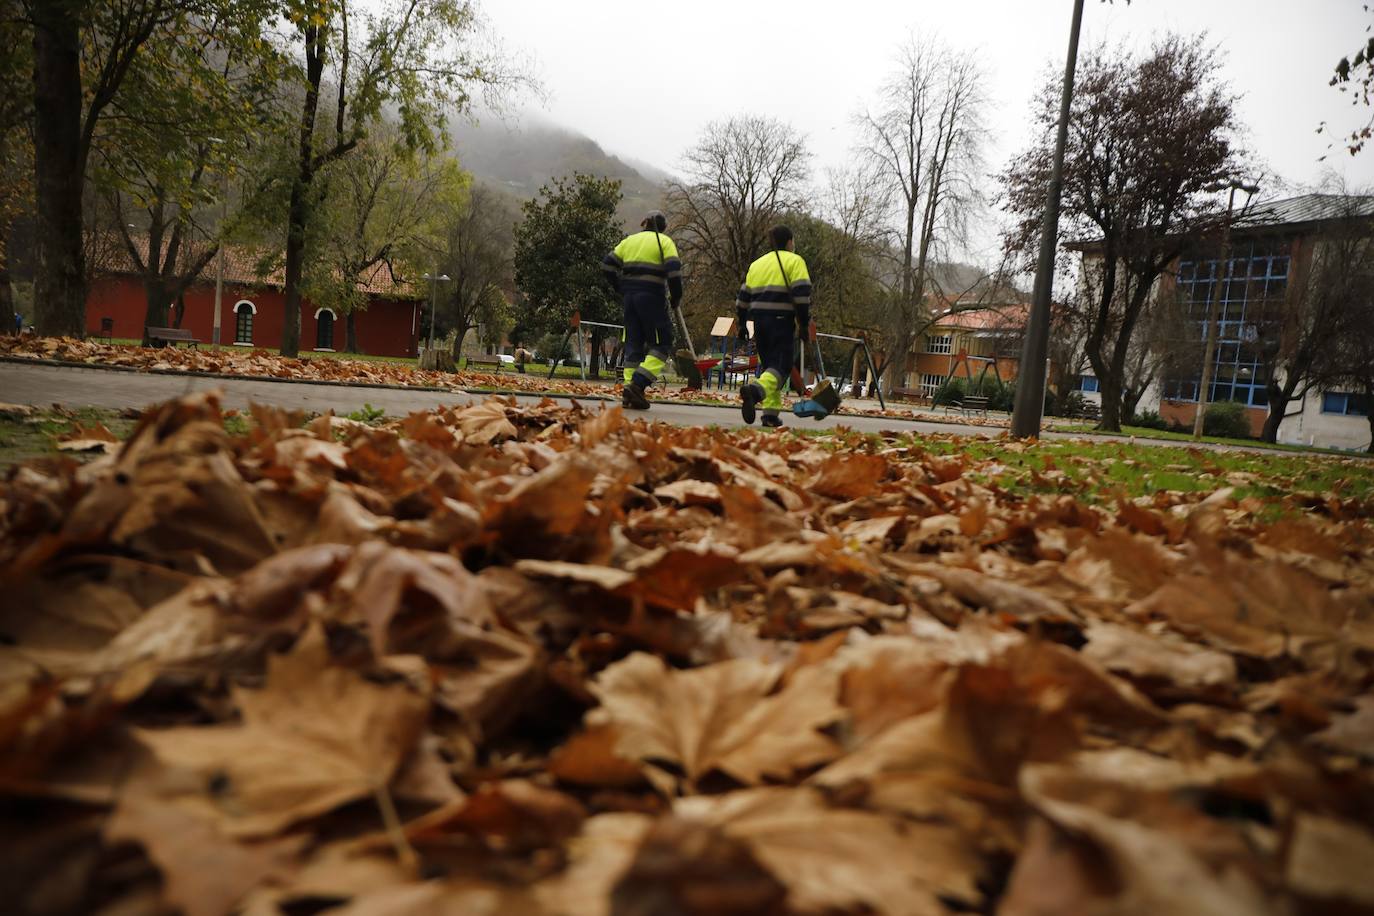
1312, 427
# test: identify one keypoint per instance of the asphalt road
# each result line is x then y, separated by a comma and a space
96, 387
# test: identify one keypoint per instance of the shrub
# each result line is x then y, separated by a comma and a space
1228, 420
551, 347
1068, 404
1000, 395
1150, 419
952, 390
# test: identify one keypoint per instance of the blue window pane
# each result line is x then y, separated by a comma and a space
1334, 402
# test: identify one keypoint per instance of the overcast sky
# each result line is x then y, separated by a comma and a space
643, 79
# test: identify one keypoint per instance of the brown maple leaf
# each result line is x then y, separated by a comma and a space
314, 738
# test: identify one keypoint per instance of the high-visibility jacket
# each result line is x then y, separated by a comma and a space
646, 261
778, 281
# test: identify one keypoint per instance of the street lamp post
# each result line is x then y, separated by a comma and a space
1030, 386
434, 282
1214, 307
219, 257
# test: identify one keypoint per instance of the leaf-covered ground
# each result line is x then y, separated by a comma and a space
506, 659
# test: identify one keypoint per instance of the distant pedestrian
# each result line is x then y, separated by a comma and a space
646, 271
776, 296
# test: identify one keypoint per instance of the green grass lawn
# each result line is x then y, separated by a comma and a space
36, 436
1105, 471
1145, 432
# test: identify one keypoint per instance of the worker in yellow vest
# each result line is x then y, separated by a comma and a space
776, 297
645, 270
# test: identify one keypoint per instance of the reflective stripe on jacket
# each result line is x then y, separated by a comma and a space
765, 287
639, 262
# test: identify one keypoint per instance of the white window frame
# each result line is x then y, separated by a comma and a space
334, 316
253, 309
942, 344
931, 383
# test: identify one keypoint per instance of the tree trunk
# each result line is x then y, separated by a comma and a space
178, 310
350, 332
299, 210
7, 309
60, 280
156, 301
1279, 397
1111, 404
1370, 447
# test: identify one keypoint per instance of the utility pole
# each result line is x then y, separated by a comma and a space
219, 259
1030, 386
434, 280
1214, 308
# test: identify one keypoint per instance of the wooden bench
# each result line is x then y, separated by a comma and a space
161, 337
911, 394
482, 359
1090, 411
969, 403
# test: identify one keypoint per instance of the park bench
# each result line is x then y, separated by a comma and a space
482, 359
161, 337
910, 394
969, 403
1091, 411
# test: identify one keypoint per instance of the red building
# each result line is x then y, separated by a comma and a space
253, 309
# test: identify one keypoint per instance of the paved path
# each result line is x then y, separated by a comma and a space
84, 386
95, 387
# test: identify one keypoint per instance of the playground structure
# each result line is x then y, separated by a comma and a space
962, 358
737, 358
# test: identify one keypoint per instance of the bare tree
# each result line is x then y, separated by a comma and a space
925, 140
383, 204
476, 254
741, 176
1148, 136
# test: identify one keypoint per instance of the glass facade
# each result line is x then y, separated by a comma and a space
1251, 304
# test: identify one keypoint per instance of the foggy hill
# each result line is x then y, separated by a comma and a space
521, 158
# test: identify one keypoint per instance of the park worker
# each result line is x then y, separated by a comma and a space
776, 297
646, 271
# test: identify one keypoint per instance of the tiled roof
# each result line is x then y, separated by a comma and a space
241, 266
996, 317
1306, 208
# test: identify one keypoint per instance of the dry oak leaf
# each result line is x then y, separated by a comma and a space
1330, 859
1148, 658
1166, 857
204, 872
690, 492
437, 898
315, 737
690, 868
849, 476
839, 860
1353, 733
724, 717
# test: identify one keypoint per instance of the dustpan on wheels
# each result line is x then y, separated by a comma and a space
823, 394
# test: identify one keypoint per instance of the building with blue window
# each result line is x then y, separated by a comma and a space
1272, 245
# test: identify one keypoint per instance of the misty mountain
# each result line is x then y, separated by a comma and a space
521, 158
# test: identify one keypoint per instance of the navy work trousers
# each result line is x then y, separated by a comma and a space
774, 333
648, 329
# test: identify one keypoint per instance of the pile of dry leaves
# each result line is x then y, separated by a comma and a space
265, 364
506, 659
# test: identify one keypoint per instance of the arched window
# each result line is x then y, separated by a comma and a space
324, 329
243, 321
